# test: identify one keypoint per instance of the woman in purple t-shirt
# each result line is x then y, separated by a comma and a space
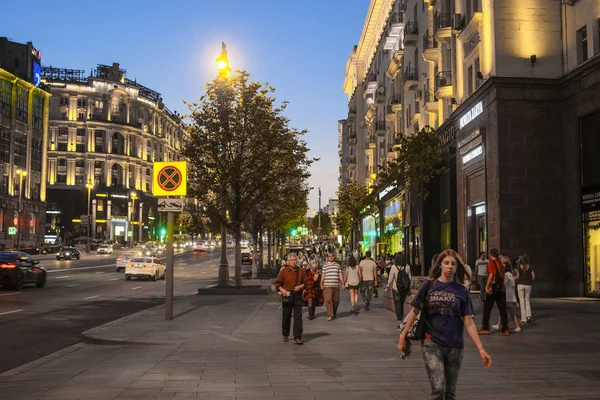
448, 311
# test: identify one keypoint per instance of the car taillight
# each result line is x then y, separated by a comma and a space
8, 266
128, 265
147, 266
118, 259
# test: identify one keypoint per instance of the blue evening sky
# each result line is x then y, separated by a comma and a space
300, 47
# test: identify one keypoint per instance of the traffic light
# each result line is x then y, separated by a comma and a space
293, 232
163, 231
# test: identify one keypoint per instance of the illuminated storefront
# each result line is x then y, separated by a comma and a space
370, 233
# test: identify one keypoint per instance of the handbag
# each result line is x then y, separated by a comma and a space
290, 299
498, 282
416, 330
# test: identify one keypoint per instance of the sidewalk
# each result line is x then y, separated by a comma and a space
229, 347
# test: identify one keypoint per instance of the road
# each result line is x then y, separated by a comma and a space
82, 294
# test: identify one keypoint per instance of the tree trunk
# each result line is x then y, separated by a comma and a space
238, 256
269, 252
260, 250
420, 225
254, 256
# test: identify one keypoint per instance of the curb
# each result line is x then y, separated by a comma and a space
261, 290
90, 339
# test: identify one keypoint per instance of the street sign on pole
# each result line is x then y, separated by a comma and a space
174, 205
12, 230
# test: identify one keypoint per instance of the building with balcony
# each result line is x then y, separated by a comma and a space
106, 131
24, 106
512, 88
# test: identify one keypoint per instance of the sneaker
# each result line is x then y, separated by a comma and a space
329, 318
496, 327
528, 319
298, 341
504, 333
516, 330
285, 338
483, 332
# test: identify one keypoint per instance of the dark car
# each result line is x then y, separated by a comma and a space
18, 269
68, 253
246, 257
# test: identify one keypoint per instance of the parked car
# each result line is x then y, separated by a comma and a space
68, 253
18, 269
145, 267
246, 257
105, 249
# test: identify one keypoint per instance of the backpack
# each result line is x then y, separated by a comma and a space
403, 282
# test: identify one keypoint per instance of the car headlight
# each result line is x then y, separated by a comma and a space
67, 254
58, 254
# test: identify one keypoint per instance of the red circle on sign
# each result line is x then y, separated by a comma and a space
169, 178
31, 223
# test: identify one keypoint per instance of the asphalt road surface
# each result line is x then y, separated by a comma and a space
82, 294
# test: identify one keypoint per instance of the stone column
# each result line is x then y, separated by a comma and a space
141, 222
108, 216
93, 231
129, 219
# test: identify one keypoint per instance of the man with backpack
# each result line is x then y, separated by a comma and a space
399, 281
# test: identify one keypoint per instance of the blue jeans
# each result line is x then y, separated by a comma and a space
442, 365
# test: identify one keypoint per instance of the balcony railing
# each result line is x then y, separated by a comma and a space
402, 6
430, 96
380, 125
411, 74
443, 79
429, 43
397, 98
411, 28
443, 21
396, 17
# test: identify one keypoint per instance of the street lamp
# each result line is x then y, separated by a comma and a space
19, 211
89, 187
133, 197
224, 72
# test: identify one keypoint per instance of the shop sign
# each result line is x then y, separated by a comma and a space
396, 222
471, 114
590, 198
480, 209
385, 191
477, 151
448, 135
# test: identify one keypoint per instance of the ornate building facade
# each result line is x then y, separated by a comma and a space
513, 90
105, 133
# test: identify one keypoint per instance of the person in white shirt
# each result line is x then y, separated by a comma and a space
399, 267
368, 270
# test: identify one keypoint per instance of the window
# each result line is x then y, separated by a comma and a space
35, 191
81, 103
63, 132
63, 116
477, 73
582, 45
62, 147
64, 101
5, 97
38, 111
61, 178
79, 179
4, 144
100, 205
22, 96
81, 116
99, 138
81, 132
470, 80
20, 149
62, 162
98, 164
80, 147
36, 154
80, 164
147, 171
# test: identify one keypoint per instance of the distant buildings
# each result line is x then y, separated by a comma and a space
513, 90
24, 107
106, 131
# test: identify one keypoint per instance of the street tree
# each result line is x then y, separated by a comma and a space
326, 224
353, 197
241, 148
419, 160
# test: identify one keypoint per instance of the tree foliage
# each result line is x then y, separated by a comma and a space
326, 224
353, 199
243, 154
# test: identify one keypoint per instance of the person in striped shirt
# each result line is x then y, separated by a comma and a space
331, 280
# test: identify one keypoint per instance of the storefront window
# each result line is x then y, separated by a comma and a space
393, 234
369, 228
592, 250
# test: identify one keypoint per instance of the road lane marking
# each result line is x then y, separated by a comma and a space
97, 273
62, 277
137, 287
114, 279
73, 285
54, 271
10, 312
91, 297
9, 294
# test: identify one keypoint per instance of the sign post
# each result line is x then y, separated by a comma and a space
170, 179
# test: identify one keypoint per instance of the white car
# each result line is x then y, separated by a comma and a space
105, 249
145, 267
123, 259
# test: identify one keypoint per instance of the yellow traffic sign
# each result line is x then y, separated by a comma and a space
170, 179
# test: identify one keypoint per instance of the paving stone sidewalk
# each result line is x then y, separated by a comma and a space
229, 347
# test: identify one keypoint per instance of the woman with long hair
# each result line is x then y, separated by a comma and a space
313, 295
525, 278
352, 278
447, 311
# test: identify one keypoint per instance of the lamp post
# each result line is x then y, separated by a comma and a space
20, 207
133, 197
224, 72
89, 187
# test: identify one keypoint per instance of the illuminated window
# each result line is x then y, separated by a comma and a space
100, 206
582, 45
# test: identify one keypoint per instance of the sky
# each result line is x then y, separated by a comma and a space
299, 47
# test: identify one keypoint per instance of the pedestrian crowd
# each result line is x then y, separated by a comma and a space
441, 311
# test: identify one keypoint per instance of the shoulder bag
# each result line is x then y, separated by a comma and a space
416, 330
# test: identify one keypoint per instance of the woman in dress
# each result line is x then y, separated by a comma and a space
448, 311
313, 295
352, 278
